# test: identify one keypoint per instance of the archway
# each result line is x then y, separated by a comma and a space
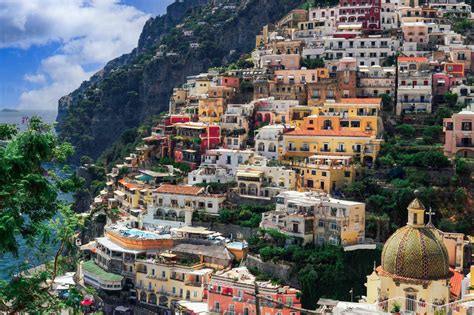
143, 296
152, 298
261, 146
163, 301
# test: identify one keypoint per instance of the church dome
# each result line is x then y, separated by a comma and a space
415, 251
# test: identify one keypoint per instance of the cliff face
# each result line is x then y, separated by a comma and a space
139, 84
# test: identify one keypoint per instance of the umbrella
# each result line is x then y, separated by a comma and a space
87, 303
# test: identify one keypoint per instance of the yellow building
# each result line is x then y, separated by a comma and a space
414, 274
211, 109
214, 104
347, 128
181, 273
324, 172
298, 114
166, 279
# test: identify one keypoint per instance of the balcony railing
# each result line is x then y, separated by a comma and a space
193, 284
464, 145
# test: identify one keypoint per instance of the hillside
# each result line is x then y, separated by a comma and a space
137, 85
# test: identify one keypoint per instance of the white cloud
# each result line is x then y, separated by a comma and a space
35, 78
90, 33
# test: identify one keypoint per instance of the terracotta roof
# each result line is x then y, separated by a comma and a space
413, 59
179, 189
126, 184
361, 100
328, 133
455, 283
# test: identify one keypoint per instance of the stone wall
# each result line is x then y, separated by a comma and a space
278, 270
236, 231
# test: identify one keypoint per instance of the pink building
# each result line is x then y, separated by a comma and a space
459, 134
442, 83
233, 292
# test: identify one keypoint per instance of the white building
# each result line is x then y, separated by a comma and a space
369, 51
206, 174
317, 218
268, 141
227, 158
262, 181
178, 202
375, 80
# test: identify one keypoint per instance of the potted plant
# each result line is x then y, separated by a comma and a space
395, 308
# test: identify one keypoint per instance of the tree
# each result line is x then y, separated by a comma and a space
406, 131
450, 99
30, 211
386, 102
431, 134
312, 63
7, 131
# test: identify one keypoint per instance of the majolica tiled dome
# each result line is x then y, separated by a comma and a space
415, 252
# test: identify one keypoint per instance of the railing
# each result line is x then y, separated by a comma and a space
193, 284
465, 145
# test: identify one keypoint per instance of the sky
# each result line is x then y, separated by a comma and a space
48, 47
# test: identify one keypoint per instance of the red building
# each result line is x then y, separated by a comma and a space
365, 12
191, 140
233, 292
229, 81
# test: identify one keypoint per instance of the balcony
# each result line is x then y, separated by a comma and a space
193, 284
340, 150
304, 149
465, 145
325, 150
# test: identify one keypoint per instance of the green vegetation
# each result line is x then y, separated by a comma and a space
244, 215
463, 26
30, 210
322, 271
312, 63
8, 131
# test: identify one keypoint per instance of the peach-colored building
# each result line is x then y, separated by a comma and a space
416, 32
459, 133
301, 76
233, 292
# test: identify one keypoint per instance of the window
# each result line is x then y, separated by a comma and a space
229, 160
466, 126
289, 301
209, 205
320, 223
195, 293
347, 174
355, 123
333, 226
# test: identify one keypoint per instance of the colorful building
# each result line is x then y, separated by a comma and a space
327, 173
317, 218
234, 292
191, 140
459, 134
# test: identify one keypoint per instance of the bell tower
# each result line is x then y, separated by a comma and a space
416, 213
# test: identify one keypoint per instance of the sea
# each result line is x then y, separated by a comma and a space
20, 117
9, 265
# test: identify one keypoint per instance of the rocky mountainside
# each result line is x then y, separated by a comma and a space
137, 85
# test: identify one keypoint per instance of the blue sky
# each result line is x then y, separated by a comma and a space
48, 47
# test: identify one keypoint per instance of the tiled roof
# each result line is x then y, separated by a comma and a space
328, 133
179, 189
424, 59
126, 184
455, 283
361, 100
